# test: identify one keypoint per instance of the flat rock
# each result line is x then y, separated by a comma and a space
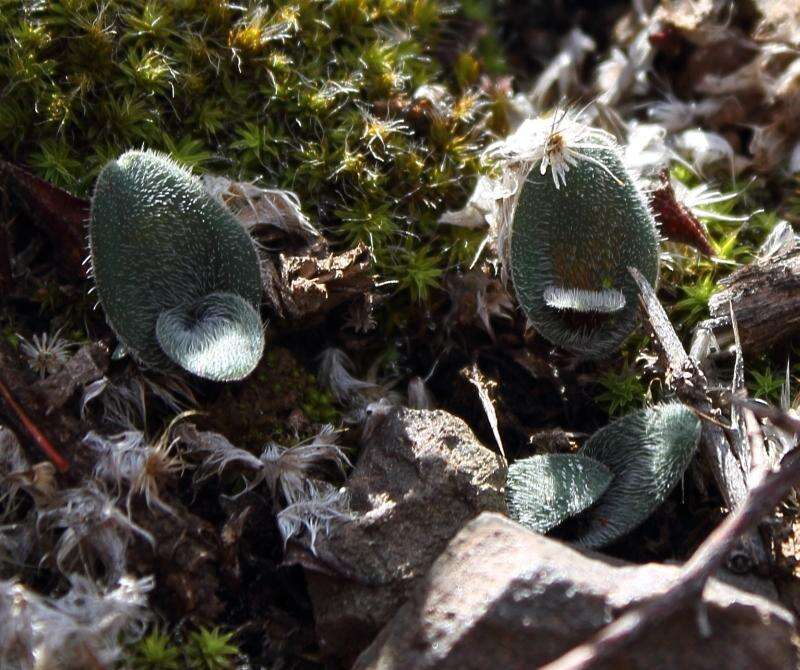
420, 476
501, 596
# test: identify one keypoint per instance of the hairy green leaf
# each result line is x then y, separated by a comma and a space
573, 236
647, 451
544, 490
218, 337
160, 247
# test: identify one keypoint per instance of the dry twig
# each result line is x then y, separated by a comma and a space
690, 385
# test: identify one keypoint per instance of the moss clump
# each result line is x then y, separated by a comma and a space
312, 95
204, 649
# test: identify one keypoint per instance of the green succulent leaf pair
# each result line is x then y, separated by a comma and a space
546, 489
177, 275
617, 479
569, 231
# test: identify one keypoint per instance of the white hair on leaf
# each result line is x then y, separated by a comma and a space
92, 528
124, 399
289, 468
18, 542
624, 74
128, 458
419, 397
562, 74
705, 149
605, 301
769, 146
254, 206
118, 610
286, 470
90, 392
20, 611
675, 114
646, 153
701, 196
12, 460
477, 213
334, 374
46, 353
303, 504
781, 239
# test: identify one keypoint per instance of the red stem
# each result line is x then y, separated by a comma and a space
33, 430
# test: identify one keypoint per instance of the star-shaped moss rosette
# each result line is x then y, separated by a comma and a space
573, 220
544, 490
177, 275
618, 478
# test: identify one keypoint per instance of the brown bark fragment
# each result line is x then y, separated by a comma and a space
765, 297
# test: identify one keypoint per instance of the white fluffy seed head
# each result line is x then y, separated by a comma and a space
46, 353
555, 142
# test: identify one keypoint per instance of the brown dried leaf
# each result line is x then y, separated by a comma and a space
60, 215
309, 286
678, 223
780, 21
486, 388
88, 364
255, 206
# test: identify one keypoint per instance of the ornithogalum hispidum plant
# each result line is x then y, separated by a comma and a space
546, 489
177, 275
571, 223
622, 473
647, 452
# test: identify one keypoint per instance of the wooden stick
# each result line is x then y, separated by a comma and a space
738, 436
766, 297
782, 420
690, 385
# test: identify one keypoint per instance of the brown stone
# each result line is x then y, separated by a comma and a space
501, 596
420, 476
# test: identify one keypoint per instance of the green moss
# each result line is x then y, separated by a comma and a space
262, 408
210, 650
693, 305
734, 242
766, 384
312, 95
623, 391
203, 649
319, 406
155, 651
